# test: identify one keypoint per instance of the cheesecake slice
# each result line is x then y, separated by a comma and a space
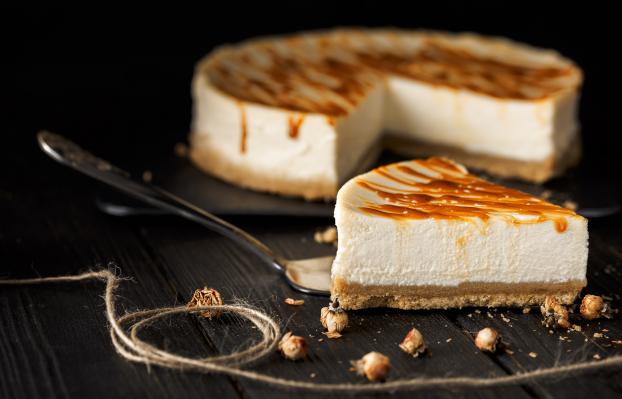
426, 234
299, 115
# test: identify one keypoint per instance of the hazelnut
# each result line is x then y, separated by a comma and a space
374, 365
592, 307
293, 347
487, 339
333, 317
206, 297
555, 314
413, 343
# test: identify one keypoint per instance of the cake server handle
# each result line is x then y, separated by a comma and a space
70, 154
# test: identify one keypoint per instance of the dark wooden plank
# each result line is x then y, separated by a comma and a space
54, 340
60, 232
197, 257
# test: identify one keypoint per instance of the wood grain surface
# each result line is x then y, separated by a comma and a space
54, 340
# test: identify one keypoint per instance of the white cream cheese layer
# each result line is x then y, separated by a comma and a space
477, 123
257, 137
378, 251
504, 247
513, 129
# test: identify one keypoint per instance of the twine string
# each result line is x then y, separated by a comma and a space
127, 343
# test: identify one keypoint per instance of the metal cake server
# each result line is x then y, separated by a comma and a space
311, 276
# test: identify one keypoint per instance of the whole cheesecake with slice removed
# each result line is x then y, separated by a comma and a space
301, 114
427, 234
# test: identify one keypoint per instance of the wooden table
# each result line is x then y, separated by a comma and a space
54, 340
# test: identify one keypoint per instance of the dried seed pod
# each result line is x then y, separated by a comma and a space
413, 343
555, 314
293, 347
206, 297
487, 339
592, 307
374, 365
333, 317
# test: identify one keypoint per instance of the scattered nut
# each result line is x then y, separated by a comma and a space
374, 365
596, 356
597, 335
294, 302
333, 317
327, 236
526, 310
206, 297
413, 343
487, 339
555, 314
293, 347
592, 307
533, 354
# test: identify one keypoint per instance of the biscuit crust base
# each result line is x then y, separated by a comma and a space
357, 296
531, 171
214, 163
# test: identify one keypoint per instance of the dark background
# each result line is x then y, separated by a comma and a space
118, 80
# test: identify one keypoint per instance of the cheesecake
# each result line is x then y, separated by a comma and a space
299, 115
426, 234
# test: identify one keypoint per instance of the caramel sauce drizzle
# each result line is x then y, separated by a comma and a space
244, 129
330, 74
294, 125
453, 195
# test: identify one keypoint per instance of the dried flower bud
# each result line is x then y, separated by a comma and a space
592, 307
206, 297
293, 347
375, 366
487, 339
333, 317
555, 314
413, 343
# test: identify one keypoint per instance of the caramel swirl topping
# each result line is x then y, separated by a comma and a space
331, 72
438, 188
